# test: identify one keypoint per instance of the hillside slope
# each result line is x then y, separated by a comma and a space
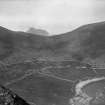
44, 70
85, 44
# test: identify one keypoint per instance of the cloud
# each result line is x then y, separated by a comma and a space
54, 15
99, 10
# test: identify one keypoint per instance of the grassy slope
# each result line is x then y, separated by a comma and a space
86, 44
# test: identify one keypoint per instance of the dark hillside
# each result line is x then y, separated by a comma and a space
86, 44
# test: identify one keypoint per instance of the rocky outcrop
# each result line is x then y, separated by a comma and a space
7, 97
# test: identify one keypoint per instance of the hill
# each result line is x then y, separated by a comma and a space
85, 44
44, 70
37, 31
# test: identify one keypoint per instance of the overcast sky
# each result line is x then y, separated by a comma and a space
55, 16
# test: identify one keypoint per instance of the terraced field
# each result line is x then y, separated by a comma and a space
51, 82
